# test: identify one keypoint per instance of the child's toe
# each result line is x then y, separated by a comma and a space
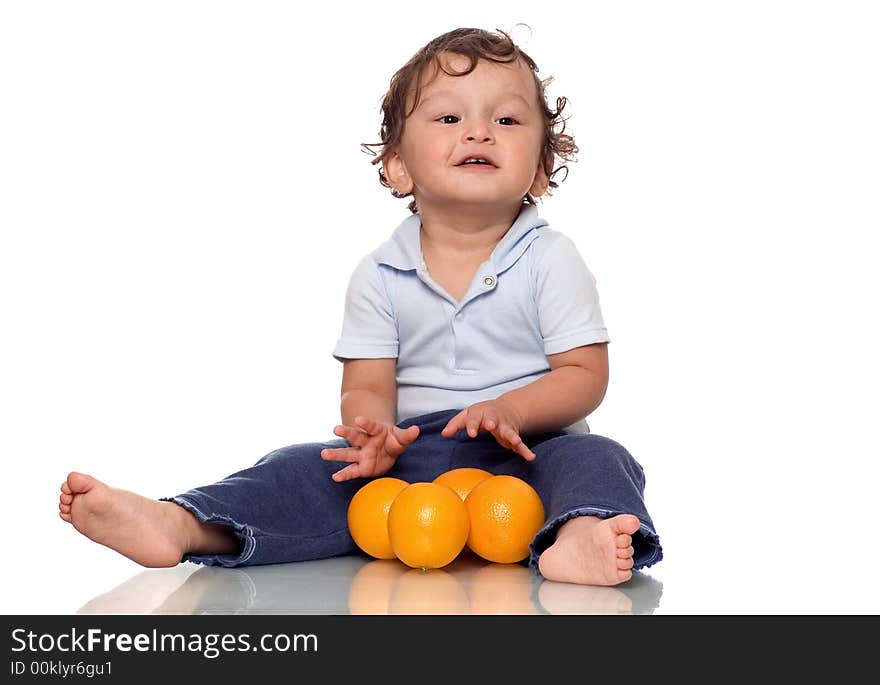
626, 523
80, 482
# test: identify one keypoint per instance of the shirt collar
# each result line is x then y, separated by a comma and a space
403, 250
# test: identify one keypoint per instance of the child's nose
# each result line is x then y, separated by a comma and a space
479, 133
478, 129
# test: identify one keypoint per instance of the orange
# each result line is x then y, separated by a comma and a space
427, 525
462, 480
368, 516
505, 513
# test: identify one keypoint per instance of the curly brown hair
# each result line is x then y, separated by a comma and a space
476, 44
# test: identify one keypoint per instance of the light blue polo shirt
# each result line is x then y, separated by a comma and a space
534, 296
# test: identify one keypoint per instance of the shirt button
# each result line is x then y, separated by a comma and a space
488, 281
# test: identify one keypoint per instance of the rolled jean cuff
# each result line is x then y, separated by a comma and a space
242, 531
646, 542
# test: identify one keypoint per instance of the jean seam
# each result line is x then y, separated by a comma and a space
307, 537
599, 510
248, 532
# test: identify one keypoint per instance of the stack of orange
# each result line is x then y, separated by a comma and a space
426, 525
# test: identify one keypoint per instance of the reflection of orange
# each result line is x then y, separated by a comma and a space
502, 589
427, 525
505, 513
368, 516
428, 592
462, 480
370, 589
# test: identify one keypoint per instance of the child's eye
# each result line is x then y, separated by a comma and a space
446, 116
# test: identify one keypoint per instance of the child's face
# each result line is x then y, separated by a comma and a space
491, 112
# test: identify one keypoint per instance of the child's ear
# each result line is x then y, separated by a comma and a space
397, 175
541, 182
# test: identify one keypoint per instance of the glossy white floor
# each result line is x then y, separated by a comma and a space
357, 585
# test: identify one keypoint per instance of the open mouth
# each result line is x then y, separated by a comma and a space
476, 165
477, 162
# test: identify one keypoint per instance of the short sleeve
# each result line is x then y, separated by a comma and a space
369, 330
568, 302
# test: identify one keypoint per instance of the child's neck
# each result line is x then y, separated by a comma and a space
463, 235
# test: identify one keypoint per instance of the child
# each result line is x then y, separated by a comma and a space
473, 337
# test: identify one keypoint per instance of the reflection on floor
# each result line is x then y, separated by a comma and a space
358, 585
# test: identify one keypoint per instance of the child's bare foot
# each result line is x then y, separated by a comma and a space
150, 532
591, 551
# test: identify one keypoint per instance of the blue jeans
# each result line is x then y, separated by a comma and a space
287, 508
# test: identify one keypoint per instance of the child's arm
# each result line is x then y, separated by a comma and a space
369, 388
571, 391
574, 387
369, 411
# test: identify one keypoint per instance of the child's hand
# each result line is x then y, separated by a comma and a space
376, 445
496, 416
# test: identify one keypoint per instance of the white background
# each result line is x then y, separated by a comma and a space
183, 198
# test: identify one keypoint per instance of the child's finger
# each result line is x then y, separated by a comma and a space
456, 423
341, 454
517, 445
525, 452
473, 425
511, 436
349, 472
369, 426
406, 435
354, 435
